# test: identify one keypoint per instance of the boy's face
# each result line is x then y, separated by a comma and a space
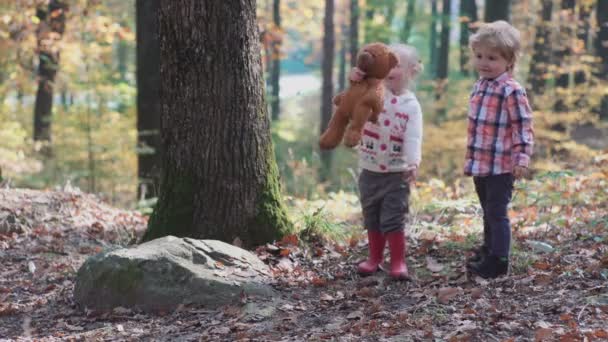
488, 62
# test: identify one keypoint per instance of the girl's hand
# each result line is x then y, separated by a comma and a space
356, 74
410, 175
519, 171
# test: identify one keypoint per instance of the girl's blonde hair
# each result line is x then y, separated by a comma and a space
499, 35
409, 59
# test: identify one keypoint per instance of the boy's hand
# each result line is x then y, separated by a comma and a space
356, 74
519, 171
410, 175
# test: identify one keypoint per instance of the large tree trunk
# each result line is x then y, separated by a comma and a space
275, 75
497, 10
148, 101
542, 51
468, 16
562, 56
409, 21
601, 12
50, 31
219, 176
354, 31
442, 63
327, 87
433, 39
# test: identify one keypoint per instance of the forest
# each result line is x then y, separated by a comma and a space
192, 128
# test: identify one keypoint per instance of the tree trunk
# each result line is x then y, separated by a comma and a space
601, 13
468, 16
219, 176
409, 21
497, 10
275, 75
50, 31
542, 51
562, 56
442, 65
354, 31
327, 87
342, 66
580, 69
433, 39
148, 101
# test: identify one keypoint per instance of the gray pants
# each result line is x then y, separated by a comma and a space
384, 200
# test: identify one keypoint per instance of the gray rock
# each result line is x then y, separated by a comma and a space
164, 273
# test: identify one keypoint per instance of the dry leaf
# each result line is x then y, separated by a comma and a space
433, 265
445, 294
543, 334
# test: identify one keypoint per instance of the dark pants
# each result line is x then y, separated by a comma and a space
494, 194
384, 200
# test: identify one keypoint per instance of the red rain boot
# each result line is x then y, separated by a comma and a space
396, 244
376, 242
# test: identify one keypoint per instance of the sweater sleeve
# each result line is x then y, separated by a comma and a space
413, 136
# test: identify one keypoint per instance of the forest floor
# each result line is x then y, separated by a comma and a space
557, 288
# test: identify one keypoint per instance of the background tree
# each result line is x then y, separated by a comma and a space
354, 31
562, 53
539, 64
601, 46
327, 87
275, 70
219, 176
148, 102
468, 17
408, 22
433, 39
443, 61
342, 57
51, 28
497, 10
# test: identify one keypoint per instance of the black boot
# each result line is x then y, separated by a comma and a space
491, 267
480, 254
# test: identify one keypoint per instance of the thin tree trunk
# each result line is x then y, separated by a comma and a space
601, 13
327, 87
275, 76
354, 31
497, 10
468, 16
409, 21
542, 51
342, 66
442, 65
581, 67
219, 177
148, 100
433, 39
50, 30
562, 56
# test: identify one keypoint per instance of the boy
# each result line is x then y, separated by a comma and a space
500, 140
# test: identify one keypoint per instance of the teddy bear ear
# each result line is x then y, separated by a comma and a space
392, 60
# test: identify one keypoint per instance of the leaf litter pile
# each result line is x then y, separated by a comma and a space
557, 289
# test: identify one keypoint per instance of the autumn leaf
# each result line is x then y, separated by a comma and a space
445, 294
543, 334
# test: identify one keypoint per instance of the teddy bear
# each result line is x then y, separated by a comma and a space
362, 100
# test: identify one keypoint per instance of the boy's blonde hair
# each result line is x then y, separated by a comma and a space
499, 35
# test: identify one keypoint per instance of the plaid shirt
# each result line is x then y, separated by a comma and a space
500, 133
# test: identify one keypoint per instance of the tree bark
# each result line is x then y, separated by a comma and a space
497, 10
601, 43
542, 51
275, 75
468, 16
443, 61
219, 176
148, 100
354, 31
327, 86
50, 31
562, 55
409, 21
342, 66
433, 39
580, 69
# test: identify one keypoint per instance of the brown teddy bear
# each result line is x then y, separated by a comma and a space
362, 100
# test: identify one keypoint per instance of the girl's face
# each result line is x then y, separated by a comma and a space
396, 79
488, 62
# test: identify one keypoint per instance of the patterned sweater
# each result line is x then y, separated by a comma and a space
393, 144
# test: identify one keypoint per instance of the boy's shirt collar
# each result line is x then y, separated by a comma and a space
501, 78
